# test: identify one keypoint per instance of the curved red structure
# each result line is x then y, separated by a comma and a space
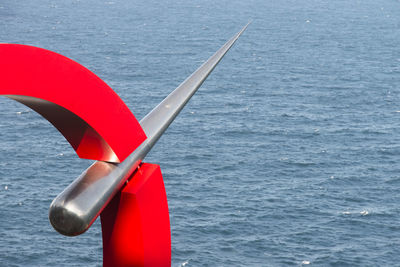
130, 197
135, 224
90, 115
99, 126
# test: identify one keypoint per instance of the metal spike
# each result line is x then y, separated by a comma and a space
74, 210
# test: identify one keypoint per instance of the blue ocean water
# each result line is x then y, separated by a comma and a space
287, 155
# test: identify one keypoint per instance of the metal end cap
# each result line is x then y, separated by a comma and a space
66, 222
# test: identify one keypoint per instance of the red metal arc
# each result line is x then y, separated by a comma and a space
135, 224
98, 125
90, 115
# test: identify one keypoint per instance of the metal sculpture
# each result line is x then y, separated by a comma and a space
129, 195
90, 115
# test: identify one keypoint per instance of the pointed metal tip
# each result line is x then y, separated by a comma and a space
245, 27
234, 38
76, 208
248, 23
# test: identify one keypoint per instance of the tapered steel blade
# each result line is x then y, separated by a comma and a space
74, 210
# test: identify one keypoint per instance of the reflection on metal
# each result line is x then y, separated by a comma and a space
77, 207
90, 115
72, 127
135, 224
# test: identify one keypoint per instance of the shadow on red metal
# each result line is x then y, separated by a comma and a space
90, 115
135, 224
99, 126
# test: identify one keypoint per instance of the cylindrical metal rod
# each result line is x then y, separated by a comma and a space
74, 210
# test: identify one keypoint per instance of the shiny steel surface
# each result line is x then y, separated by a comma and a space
74, 210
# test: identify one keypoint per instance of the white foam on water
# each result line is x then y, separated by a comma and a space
184, 263
364, 212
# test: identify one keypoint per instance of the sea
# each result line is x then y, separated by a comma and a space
288, 155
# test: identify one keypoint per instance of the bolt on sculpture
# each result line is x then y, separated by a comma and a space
129, 195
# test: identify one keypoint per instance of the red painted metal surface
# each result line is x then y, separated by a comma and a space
135, 224
99, 126
90, 115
